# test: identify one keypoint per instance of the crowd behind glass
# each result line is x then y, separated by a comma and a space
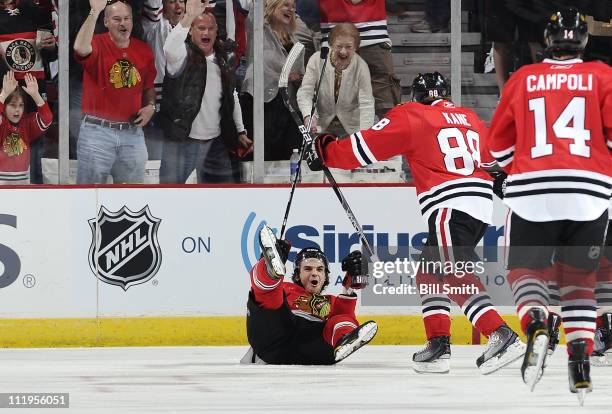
168, 84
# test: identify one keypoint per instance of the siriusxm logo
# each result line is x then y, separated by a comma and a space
337, 245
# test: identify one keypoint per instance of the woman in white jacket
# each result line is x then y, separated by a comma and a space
345, 104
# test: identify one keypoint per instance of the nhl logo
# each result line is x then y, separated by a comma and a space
124, 249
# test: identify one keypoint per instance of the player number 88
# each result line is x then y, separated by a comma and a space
466, 149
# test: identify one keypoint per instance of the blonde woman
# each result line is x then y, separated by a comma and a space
280, 132
346, 104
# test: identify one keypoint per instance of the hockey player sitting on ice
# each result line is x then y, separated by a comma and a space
441, 143
293, 322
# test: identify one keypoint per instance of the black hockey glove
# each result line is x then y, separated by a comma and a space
283, 247
356, 271
315, 154
499, 183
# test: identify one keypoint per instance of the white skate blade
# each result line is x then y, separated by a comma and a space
515, 351
581, 394
268, 240
534, 372
439, 366
549, 354
366, 334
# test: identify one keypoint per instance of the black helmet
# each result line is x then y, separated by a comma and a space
309, 253
428, 87
566, 31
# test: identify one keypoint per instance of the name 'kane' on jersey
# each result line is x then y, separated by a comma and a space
441, 142
552, 132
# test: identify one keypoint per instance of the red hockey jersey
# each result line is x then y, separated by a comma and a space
15, 141
552, 132
302, 303
441, 142
369, 16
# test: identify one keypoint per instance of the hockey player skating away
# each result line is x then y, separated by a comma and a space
602, 347
294, 323
552, 132
602, 343
441, 143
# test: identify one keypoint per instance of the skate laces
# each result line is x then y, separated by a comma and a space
428, 346
494, 340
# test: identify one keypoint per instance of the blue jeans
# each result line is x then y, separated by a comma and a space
102, 151
209, 158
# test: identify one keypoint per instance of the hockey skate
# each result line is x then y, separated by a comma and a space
274, 264
554, 323
602, 349
435, 357
579, 370
352, 341
503, 348
537, 348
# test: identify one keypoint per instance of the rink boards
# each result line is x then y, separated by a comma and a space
172, 263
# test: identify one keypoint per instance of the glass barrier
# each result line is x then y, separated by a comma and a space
29, 93
160, 95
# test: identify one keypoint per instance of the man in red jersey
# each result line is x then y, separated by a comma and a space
441, 142
293, 322
552, 133
118, 96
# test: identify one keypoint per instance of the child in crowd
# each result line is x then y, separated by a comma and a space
18, 129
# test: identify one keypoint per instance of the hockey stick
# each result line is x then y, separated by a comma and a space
283, 81
315, 99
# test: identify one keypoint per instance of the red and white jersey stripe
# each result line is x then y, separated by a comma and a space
441, 142
368, 16
552, 133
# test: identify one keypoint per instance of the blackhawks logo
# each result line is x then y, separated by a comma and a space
317, 305
124, 75
124, 249
14, 145
20, 55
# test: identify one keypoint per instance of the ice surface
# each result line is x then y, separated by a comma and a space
209, 379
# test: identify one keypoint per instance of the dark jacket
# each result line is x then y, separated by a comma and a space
182, 97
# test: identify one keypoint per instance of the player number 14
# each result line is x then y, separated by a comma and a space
573, 115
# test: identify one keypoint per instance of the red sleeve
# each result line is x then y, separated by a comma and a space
38, 122
606, 105
90, 61
387, 138
502, 134
486, 159
343, 305
1, 113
